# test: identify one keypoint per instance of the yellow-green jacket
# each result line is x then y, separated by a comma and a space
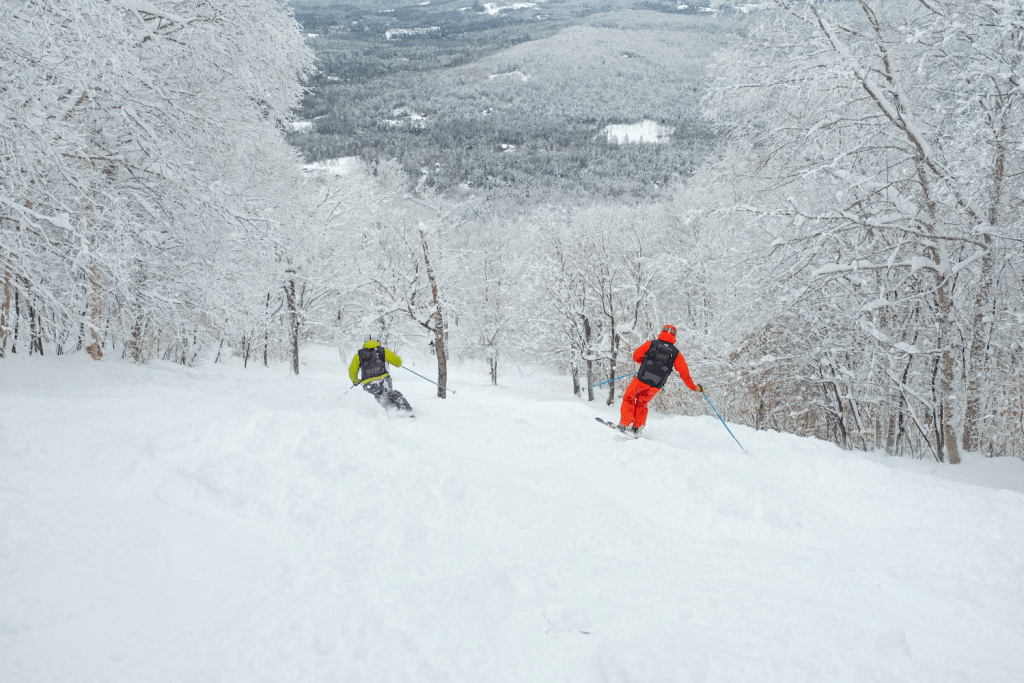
353, 368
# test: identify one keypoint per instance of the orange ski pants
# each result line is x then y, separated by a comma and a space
634, 403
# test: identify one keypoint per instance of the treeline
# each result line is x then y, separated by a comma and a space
846, 265
455, 17
874, 165
148, 201
357, 60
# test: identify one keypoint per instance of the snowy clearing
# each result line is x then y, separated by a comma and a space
645, 131
161, 523
339, 166
514, 74
494, 8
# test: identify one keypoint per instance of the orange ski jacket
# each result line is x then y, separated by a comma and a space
680, 362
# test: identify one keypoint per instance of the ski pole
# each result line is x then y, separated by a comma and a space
723, 422
610, 380
344, 395
428, 379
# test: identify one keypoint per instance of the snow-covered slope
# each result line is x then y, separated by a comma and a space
167, 524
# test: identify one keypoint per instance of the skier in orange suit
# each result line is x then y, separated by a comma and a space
657, 359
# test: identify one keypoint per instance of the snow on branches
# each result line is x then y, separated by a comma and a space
136, 138
881, 144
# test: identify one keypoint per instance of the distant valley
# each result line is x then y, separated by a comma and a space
528, 101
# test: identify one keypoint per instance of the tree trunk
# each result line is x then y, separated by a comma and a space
36, 327
587, 335
266, 335
95, 312
575, 379
614, 362
946, 417
5, 309
438, 318
442, 356
294, 322
135, 343
976, 355
841, 420
976, 352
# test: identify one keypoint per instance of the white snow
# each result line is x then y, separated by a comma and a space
494, 8
340, 166
399, 32
161, 523
514, 74
301, 125
645, 131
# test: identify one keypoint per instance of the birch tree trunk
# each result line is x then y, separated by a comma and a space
614, 360
946, 419
293, 323
438, 319
135, 342
976, 355
5, 309
589, 357
95, 313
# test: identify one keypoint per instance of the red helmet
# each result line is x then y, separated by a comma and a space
671, 329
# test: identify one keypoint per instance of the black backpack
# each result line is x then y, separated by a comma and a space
657, 365
372, 362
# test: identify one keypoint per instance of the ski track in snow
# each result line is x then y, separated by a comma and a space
160, 523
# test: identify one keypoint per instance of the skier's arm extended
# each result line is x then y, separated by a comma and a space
392, 358
353, 369
684, 372
638, 355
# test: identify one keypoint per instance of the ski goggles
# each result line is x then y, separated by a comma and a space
670, 329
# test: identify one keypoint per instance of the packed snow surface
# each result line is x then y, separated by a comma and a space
160, 523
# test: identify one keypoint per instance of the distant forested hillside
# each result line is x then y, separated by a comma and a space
512, 102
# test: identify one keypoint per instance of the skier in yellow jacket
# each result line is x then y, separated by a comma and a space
371, 363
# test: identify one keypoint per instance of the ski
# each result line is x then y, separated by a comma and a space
615, 426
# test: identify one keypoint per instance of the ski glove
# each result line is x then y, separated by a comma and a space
700, 388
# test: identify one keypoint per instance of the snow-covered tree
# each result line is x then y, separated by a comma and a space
880, 142
129, 153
